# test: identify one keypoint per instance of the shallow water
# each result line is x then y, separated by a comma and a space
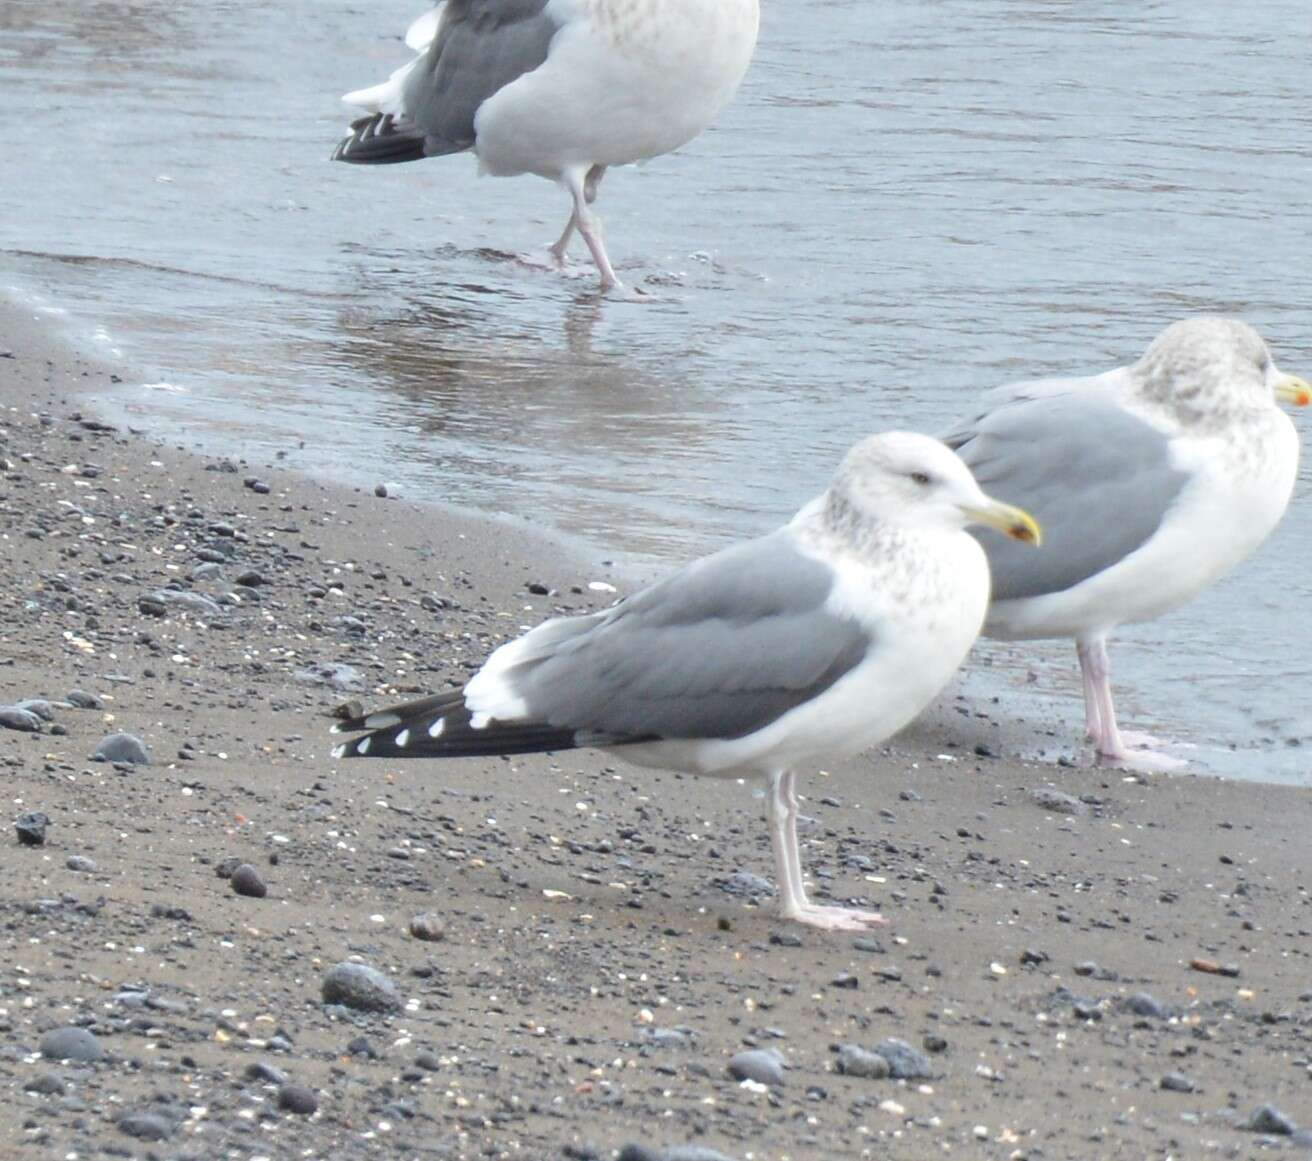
907, 203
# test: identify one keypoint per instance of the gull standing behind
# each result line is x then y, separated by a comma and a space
1150, 481
560, 88
819, 640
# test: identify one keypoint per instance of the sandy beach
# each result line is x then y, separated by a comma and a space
1081, 963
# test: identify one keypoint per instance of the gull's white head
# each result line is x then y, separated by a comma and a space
1211, 367
905, 479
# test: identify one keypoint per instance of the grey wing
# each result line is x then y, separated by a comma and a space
1098, 479
480, 47
719, 650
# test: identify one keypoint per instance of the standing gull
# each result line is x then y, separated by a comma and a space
560, 88
1150, 481
819, 640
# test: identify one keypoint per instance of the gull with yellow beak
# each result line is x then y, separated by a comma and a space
818, 640
1151, 481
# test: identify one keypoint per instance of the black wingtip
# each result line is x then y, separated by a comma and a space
380, 140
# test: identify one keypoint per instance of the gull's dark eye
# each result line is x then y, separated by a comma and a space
921, 478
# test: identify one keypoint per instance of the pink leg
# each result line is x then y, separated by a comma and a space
588, 224
561, 244
781, 798
1100, 714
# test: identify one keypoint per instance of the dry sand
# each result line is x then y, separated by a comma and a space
605, 949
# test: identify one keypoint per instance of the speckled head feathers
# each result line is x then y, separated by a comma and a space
1206, 367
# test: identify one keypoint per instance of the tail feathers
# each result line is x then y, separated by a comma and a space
443, 727
381, 140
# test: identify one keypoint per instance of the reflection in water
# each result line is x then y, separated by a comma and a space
906, 204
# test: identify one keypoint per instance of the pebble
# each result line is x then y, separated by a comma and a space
1269, 1119
14, 718
1142, 1004
37, 705
853, 1060
122, 747
263, 1071
1056, 801
428, 927
298, 1098
694, 1153
1176, 1082
639, 1153
246, 880
147, 1124
904, 1062
359, 986
31, 827
745, 883
47, 1084
763, 1065
80, 699
70, 1043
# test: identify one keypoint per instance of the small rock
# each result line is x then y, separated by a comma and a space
904, 1062
80, 699
298, 1098
1142, 1004
1056, 801
263, 1071
694, 1153
762, 1065
745, 883
846, 980
359, 986
854, 1060
31, 828
1176, 1082
246, 880
80, 863
72, 1044
147, 1124
122, 748
13, 718
1269, 1119
428, 927
47, 1084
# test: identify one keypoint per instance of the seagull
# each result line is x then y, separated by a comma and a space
1151, 481
561, 88
818, 640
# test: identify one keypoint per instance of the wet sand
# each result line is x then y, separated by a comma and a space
605, 949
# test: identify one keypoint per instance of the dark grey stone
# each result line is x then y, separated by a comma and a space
71, 1044
13, 718
1176, 1082
31, 828
80, 863
245, 880
122, 748
1056, 801
299, 1099
359, 986
904, 1062
147, 1124
428, 927
1142, 1004
80, 699
1269, 1119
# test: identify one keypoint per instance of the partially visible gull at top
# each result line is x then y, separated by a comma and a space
816, 641
561, 88
1150, 481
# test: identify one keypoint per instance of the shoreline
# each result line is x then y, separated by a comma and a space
606, 944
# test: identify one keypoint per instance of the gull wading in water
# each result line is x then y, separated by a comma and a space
819, 640
1150, 481
560, 88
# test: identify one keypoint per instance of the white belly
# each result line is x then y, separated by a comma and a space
625, 80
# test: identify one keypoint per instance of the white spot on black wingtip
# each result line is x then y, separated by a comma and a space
362, 746
382, 721
339, 751
437, 728
336, 728
403, 739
